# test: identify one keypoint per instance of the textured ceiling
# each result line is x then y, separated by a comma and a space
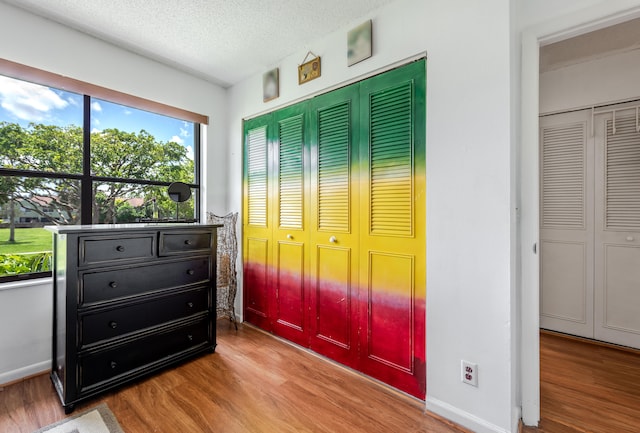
222, 41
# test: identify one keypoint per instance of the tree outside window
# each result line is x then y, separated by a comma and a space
134, 155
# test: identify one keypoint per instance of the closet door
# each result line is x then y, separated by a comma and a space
257, 222
392, 228
290, 231
334, 222
566, 223
617, 247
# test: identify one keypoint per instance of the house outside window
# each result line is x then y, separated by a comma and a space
70, 158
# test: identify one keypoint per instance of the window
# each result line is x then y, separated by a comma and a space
80, 158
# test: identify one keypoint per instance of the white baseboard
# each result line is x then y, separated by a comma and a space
24, 372
461, 417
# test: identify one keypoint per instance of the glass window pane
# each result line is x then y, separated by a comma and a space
26, 206
40, 127
129, 143
120, 203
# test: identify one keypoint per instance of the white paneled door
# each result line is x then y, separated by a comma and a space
590, 224
617, 234
566, 224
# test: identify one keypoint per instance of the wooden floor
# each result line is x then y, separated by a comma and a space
253, 383
587, 387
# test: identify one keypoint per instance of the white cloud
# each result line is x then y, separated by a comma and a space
96, 131
177, 139
185, 130
95, 106
190, 152
95, 121
28, 101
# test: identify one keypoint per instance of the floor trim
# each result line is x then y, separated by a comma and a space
15, 376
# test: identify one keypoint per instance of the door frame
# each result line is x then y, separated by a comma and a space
604, 14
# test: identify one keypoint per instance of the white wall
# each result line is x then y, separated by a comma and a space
25, 311
608, 79
469, 228
25, 330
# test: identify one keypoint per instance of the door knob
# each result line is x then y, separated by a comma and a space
289, 237
333, 239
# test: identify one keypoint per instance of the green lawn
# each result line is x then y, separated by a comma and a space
26, 241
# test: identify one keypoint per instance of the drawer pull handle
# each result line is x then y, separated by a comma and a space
190, 304
190, 337
114, 364
113, 324
120, 248
191, 272
113, 284
188, 242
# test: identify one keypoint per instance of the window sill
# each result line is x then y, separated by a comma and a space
10, 285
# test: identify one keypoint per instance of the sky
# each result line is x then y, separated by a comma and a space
23, 102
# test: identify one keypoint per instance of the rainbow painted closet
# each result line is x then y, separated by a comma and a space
334, 225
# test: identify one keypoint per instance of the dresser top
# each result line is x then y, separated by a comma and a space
93, 228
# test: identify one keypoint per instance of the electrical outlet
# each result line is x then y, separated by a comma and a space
469, 373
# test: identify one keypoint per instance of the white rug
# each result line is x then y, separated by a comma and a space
97, 420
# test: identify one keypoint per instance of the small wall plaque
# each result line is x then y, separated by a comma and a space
310, 70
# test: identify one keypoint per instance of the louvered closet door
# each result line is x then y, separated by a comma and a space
617, 250
257, 222
566, 224
290, 234
334, 222
392, 228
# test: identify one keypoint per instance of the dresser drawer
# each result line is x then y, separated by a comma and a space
106, 324
132, 357
177, 242
104, 249
100, 286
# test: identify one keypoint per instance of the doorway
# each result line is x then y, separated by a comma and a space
566, 26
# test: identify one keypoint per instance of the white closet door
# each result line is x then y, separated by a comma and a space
566, 224
617, 231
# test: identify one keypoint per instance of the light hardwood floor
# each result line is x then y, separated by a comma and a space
587, 387
253, 383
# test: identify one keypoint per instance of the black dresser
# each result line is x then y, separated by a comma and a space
129, 300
